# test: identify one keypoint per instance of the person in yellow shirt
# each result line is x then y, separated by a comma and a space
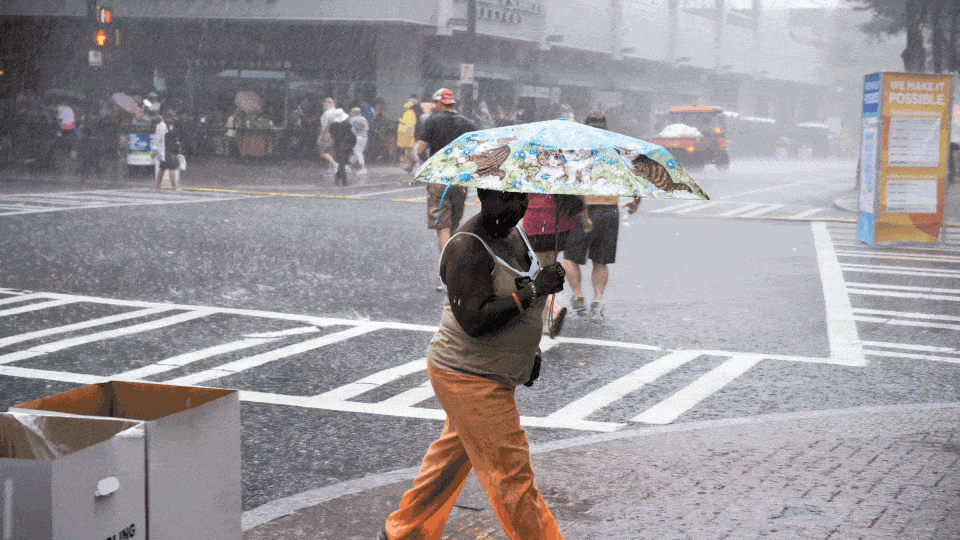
405, 137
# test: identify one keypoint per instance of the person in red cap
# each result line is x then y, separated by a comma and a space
444, 203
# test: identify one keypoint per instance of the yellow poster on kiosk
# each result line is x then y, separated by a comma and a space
909, 176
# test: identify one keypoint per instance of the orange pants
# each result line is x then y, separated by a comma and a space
482, 431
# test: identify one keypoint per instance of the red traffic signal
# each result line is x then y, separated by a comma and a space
100, 38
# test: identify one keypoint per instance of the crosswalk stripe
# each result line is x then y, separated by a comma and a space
746, 208
807, 213
906, 314
674, 207
176, 362
901, 322
913, 356
900, 256
111, 319
899, 270
370, 382
768, 208
671, 408
615, 390
22, 298
896, 294
244, 364
34, 307
55, 346
910, 346
697, 207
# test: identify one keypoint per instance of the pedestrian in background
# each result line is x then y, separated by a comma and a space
444, 202
486, 346
166, 148
341, 133
324, 139
405, 136
360, 128
600, 242
548, 222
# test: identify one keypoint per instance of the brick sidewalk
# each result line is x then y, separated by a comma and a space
880, 473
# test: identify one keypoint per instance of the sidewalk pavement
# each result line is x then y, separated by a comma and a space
227, 173
888, 472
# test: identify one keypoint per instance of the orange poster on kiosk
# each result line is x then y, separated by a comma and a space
914, 117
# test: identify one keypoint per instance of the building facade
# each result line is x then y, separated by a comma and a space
632, 58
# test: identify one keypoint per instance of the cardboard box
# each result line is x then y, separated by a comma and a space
68, 478
192, 451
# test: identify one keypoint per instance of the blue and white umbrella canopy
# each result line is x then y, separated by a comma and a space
562, 157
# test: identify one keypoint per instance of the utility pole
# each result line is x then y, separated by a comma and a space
466, 89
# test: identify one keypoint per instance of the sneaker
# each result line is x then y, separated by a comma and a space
557, 324
579, 306
596, 309
362, 171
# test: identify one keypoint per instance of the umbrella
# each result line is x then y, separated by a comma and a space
248, 101
127, 103
560, 157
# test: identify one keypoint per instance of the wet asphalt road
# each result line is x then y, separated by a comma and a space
681, 282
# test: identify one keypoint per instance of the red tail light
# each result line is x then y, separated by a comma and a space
691, 149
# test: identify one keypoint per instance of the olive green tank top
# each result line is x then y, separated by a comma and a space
506, 354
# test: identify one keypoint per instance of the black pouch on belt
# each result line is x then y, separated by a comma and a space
535, 373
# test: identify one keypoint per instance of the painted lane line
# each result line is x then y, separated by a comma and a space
911, 347
34, 307
377, 193
23, 298
671, 408
768, 208
807, 213
410, 397
903, 288
697, 207
286, 333
414, 412
121, 204
897, 249
599, 342
746, 208
244, 364
616, 390
900, 256
370, 382
898, 270
911, 295
841, 328
176, 362
674, 207
899, 322
45, 375
111, 319
55, 346
906, 314
42, 199
931, 357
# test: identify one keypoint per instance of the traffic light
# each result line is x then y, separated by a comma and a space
105, 34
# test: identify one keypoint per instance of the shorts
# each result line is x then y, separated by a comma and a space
548, 242
600, 242
448, 216
171, 164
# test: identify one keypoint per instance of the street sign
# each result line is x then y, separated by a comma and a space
466, 73
903, 156
96, 58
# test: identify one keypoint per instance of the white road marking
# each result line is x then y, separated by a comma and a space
244, 364
768, 208
737, 210
903, 288
674, 207
34, 307
807, 213
911, 295
910, 356
907, 314
900, 256
897, 249
285, 333
55, 346
927, 348
899, 270
900, 322
22, 298
671, 408
377, 193
841, 327
176, 362
111, 319
616, 390
368, 383
46, 375
701, 205
411, 397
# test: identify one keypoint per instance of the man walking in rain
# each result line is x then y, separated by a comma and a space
444, 202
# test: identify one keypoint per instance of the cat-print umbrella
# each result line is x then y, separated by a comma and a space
560, 157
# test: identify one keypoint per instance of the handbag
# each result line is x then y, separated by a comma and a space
182, 162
